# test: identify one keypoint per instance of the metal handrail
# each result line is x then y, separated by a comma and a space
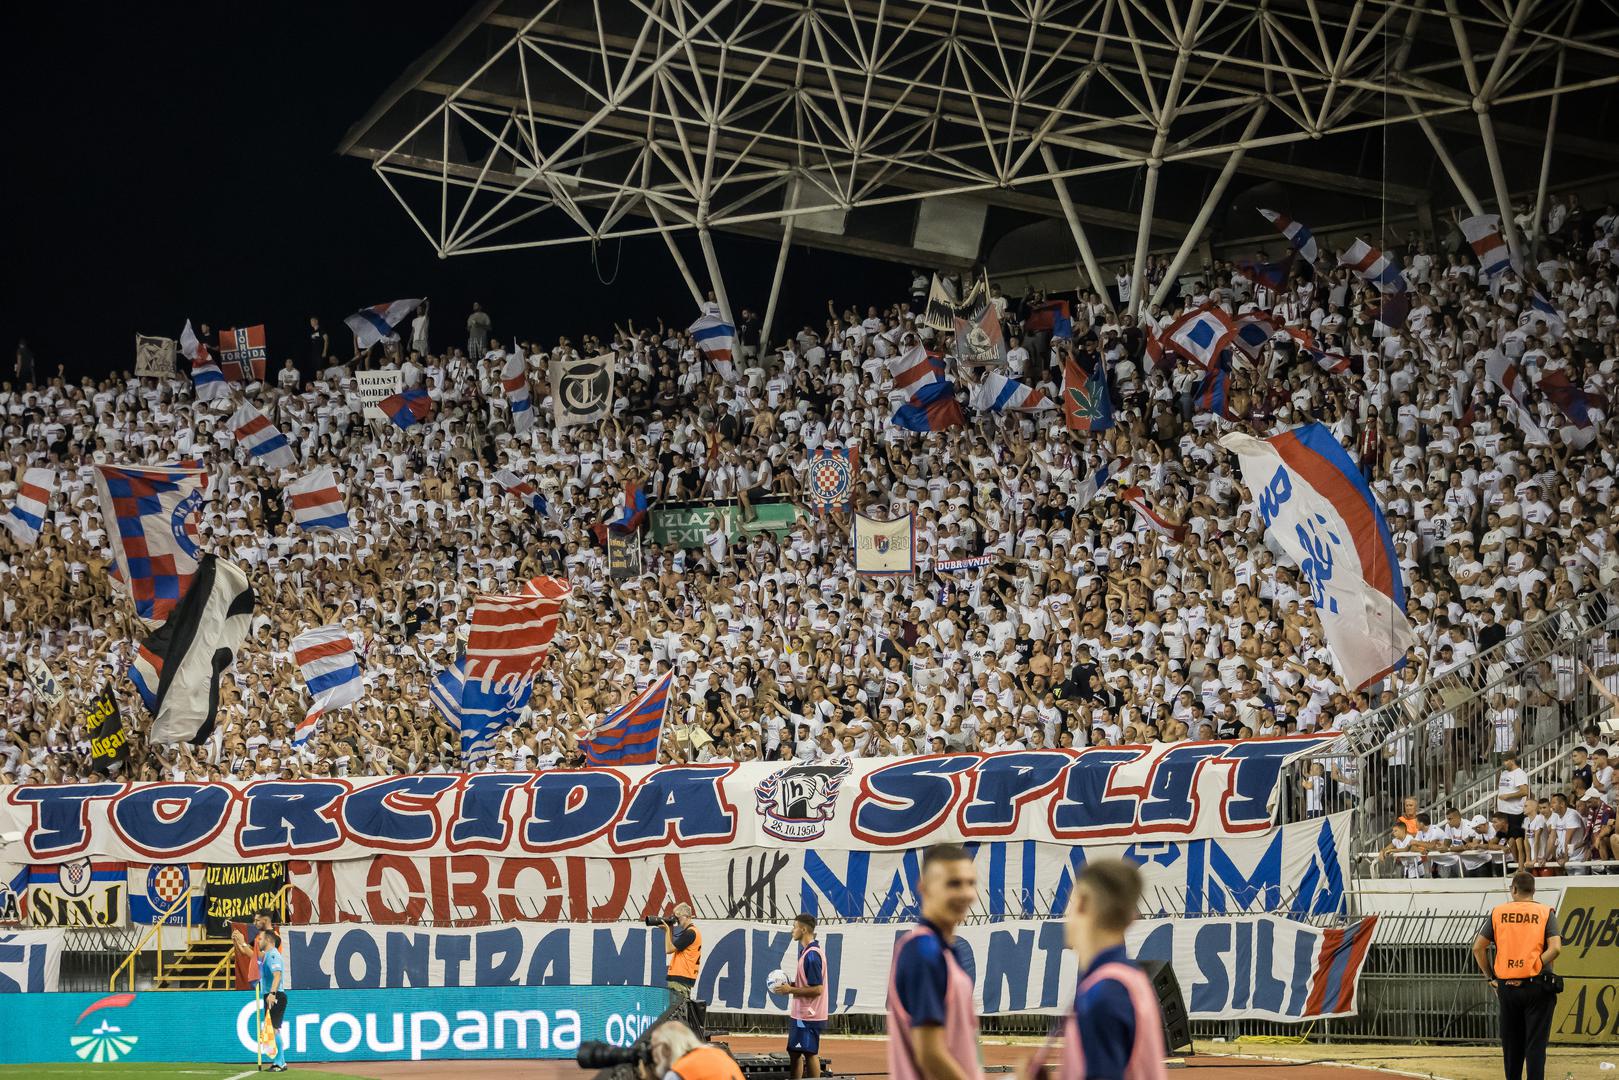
156, 931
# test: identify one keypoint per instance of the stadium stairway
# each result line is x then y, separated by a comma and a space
203, 966
1552, 653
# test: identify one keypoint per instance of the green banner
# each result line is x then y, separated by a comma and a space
687, 525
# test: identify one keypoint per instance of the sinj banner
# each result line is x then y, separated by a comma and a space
1299, 868
1180, 791
1249, 967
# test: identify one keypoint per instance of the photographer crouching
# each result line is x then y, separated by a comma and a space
683, 943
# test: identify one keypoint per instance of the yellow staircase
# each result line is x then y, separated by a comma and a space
205, 965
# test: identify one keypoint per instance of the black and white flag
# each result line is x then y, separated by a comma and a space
177, 669
581, 389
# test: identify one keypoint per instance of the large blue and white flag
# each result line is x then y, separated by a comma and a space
373, 324
1317, 507
479, 708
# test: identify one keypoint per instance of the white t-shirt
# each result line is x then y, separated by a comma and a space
1511, 780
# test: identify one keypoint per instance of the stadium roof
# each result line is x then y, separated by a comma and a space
1015, 132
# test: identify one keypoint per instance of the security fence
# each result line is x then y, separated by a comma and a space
1436, 742
1418, 985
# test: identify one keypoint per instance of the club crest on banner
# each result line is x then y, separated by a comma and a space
183, 523
795, 803
166, 884
74, 877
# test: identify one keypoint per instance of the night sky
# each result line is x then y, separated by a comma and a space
176, 160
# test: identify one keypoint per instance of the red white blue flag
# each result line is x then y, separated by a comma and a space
1317, 507
1373, 266
630, 734
715, 339
508, 642
261, 439
1000, 393
933, 408
1483, 232
153, 516
516, 485
317, 502
207, 381
514, 380
1199, 335
407, 408
1303, 242
331, 670
27, 514
912, 370
376, 323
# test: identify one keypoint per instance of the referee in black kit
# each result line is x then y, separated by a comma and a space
1527, 940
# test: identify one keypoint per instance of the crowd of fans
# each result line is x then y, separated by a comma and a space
1086, 628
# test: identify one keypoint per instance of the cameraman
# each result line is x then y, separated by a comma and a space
677, 1052
683, 942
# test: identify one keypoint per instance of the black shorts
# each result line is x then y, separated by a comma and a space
1514, 826
279, 1009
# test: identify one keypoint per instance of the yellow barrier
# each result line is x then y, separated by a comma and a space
155, 932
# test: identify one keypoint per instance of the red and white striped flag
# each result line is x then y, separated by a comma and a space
511, 634
260, 438
331, 671
1151, 518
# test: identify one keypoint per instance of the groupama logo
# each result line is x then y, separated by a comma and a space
106, 1042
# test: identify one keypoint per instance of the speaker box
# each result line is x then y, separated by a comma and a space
1177, 1026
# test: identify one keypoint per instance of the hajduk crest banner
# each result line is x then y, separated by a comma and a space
1179, 791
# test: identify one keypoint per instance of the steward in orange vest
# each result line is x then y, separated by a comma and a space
1526, 939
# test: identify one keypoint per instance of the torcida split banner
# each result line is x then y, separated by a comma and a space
1180, 791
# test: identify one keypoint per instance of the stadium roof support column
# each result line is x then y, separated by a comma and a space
1482, 92
1082, 240
706, 238
674, 250
1551, 136
1165, 110
775, 284
1206, 211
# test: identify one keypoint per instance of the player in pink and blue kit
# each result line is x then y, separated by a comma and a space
932, 1024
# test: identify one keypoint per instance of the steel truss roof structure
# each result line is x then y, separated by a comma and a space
920, 130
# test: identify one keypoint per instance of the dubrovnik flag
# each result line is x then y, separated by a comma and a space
1373, 266
331, 671
27, 513
207, 381
317, 503
1303, 242
999, 393
1316, 506
1253, 331
715, 339
1483, 232
1151, 518
1200, 335
912, 370
631, 733
261, 439
374, 323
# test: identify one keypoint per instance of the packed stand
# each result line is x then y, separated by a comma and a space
1088, 627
